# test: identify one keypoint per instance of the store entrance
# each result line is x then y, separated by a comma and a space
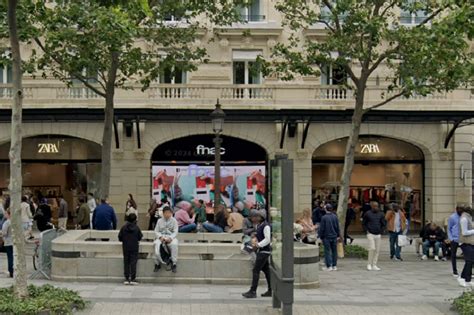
54, 166
386, 170
183, 171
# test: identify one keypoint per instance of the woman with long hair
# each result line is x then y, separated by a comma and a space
308, 234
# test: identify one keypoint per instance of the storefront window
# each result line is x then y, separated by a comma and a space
386, 170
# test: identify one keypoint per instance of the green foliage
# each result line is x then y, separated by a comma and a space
350, 251
464, 304
44, 298
359, 36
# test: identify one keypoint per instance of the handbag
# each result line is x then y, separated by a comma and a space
403, 240
340, 250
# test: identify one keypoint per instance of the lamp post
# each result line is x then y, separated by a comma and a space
217, 117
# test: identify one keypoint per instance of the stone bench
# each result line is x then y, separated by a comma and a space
89, 255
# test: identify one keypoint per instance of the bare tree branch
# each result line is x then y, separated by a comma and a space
388, 100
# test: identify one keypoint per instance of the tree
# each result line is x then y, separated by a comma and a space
363, 37
106, 44
20, 285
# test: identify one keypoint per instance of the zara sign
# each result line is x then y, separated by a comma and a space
48, 148
369, 148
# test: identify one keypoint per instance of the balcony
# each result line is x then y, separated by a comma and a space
52, 94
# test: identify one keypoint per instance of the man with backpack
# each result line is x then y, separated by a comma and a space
166, 243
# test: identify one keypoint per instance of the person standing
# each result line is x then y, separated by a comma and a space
318, 213
466, 241
262, 246
374, 224
92, 205
166, 231
26, 217
329, 233
130, 203
453, 237
104, 217
63, 213
130, 235
350, 216
8, 241
83, 215
396, 224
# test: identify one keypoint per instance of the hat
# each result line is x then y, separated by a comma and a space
262, 213
329, 207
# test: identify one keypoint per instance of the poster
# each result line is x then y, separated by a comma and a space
177, 183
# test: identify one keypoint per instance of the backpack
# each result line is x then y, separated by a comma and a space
165, 253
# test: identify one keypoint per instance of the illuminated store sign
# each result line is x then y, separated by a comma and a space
369, 148
203, 150
48, 148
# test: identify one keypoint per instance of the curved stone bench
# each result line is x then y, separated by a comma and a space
89, 255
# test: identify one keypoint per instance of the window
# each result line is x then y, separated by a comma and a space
252, 12
6, 76
326, 14
245, 72
413, 18
78, 90
171, 12
173, 75
333, 75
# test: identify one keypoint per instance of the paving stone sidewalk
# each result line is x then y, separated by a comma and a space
409, 287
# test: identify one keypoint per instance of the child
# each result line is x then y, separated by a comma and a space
130, 236
8, 241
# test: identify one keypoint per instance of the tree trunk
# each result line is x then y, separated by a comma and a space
108, 127
349, 157
20, 284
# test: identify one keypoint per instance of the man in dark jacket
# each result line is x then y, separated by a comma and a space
130, 236
329, 233
318, 213
104, 217
83, 215
434, 237
374, 224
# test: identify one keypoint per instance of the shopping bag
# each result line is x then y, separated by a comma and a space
403, 240
340, 250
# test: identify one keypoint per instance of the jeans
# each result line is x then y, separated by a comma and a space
374, 248
330, 252
395, 250
130, 259
454, 249
9, 251
261, 264
426, 247
468, 252
187, 228
212, 228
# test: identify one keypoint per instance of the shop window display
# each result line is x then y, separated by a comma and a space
386, 170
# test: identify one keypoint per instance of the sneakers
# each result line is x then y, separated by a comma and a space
463, 282
327, 268
396, 259
250, 295
173, 268
436, 258
157, 268
455, 275
126, 282
369, 267
133, 282
267, 294
334, 268
375, 268
444, 259
424, 257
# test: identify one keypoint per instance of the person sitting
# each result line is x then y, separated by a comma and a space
308, 233
434, 237
166, 242
220, 221
235, 222
200, 211
186, 220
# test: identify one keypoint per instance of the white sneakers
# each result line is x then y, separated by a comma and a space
329, 268
424, 257
436, 258
373, 268
334, 268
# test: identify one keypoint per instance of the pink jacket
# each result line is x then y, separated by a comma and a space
182, 216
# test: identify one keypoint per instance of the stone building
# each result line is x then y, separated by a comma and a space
402, 155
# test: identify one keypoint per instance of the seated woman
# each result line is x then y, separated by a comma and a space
235, 222
220, 221
308, 234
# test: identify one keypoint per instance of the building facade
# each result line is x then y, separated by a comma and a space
404, 153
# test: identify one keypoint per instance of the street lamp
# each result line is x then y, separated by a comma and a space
217, 117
